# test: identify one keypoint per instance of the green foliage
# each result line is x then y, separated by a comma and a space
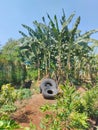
8, 96
7, 123
23, 93
91, 100
31, 127
78, 121
8, 108
54, 48
72, 110
12, 70
31, 73
88, 103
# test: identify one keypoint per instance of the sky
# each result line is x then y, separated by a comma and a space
13, 13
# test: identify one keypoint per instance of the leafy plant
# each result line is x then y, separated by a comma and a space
31, 127
72, 110
7, 123
23, 94
12, 70
91, 106
8, 96
54, 48
64, 114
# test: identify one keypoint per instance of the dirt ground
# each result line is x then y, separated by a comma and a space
29, 111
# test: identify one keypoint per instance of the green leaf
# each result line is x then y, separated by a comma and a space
1, 123
66, 23
75, 26
23, 34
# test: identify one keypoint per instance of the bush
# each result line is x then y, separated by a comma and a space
8, 96
7, 124
72, 110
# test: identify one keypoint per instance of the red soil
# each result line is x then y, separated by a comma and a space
29, 111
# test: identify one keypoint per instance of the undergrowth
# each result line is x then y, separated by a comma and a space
8, 96
72, 110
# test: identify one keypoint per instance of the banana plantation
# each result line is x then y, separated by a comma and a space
51, 49
59, 52
54, 48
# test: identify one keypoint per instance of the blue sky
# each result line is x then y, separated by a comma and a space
13, 13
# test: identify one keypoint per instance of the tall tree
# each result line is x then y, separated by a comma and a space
57, 48
11, 66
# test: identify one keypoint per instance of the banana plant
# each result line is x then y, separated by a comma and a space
57, 48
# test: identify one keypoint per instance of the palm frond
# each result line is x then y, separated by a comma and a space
51, 21
56, 22
66, 23
44, 27
30, 30
43, 18
23, 34
63, 17
86, 40
89, 33
74, 29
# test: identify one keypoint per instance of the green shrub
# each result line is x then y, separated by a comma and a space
72, 110
32, 73
23, 93
8, 96
8, 124
91, 102
64, 114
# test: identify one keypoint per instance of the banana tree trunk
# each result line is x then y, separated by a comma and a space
68, 67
